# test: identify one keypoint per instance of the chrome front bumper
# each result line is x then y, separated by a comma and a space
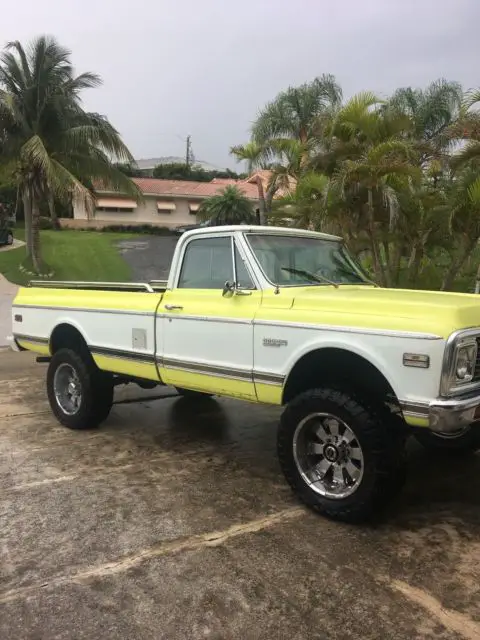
453, 414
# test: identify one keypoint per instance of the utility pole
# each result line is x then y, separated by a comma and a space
188, 157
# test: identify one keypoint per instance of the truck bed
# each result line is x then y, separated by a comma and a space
116, 320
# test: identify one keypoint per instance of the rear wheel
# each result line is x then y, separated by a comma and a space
80, 395
341, 458
462, 442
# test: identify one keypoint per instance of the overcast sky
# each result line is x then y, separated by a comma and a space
205, 67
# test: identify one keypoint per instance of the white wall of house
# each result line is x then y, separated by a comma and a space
146, 212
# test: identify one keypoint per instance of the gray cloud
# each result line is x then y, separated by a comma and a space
205, 67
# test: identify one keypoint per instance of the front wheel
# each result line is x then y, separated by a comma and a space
462, 442
341, 459
80, 395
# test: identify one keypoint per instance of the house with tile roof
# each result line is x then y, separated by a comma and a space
166, 203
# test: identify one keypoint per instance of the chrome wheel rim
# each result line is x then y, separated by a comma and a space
67, 389
328, 455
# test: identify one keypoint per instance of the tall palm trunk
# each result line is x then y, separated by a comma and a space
52, 209
261, 200
27, 213
305, 156
36, 257
414, 262
380, 276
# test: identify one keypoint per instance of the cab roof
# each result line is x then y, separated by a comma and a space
244, 228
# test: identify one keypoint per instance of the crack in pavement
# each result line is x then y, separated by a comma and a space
452, 620
106, 471
192, 543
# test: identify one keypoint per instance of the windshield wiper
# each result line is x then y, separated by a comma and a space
308, 274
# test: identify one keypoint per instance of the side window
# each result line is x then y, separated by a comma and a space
243, 277
207, 264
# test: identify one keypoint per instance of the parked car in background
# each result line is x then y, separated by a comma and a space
191, 227
6, 235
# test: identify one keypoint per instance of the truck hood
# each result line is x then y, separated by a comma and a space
439, 313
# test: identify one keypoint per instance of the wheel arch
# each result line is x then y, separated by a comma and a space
66, 335
338, 364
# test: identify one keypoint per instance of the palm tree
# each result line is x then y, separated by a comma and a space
255, 156
304, 206
431, 111
56, 145
463, 206
295, 113
467, 129
229, 206
366, 155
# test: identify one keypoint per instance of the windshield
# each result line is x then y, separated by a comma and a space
299, 261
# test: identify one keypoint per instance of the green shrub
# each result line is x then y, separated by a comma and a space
141, 228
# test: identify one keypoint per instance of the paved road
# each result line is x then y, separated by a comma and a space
173, 521
149, 257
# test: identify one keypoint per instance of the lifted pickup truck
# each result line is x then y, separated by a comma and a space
277, 316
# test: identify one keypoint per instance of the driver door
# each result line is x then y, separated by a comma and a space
206, 337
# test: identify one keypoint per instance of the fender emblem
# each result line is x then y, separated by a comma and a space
274, 342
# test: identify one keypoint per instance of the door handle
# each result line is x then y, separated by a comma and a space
171, 307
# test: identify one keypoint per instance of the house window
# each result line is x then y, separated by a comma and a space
115, 209
193, 207
166, 207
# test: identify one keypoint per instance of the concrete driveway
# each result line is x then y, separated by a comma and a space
173, 521
149, 256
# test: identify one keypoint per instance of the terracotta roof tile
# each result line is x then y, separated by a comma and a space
189, 189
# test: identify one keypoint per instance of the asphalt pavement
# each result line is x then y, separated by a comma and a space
149, 257
173, 521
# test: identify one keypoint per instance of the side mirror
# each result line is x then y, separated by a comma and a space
228, 289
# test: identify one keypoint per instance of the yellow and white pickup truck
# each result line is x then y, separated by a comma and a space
283, 317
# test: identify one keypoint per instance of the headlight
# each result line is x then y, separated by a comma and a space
465, 363
459, 373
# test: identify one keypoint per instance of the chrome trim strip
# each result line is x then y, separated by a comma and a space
268, 378
418, 409
184, 316
265, 323
91, 286
25, 338
126, 312
146, 358
245, 375
206, 369
358, 330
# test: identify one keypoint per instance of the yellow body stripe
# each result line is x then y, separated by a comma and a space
127, 367
36, 347
415, 421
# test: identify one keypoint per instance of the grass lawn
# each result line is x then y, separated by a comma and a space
72, 255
